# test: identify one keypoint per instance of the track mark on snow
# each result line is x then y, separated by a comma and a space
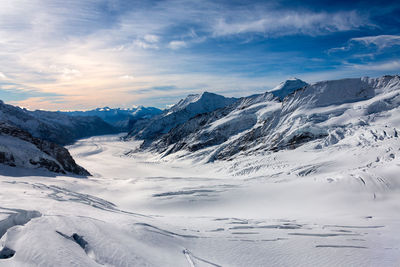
190, 258
321, 235
164, 232
338, 246
187, 192
355, 226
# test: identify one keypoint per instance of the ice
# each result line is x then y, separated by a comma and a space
331, 201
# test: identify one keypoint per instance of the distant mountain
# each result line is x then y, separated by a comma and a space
179, 113
54, 126
18, 148
121, 119
323, 113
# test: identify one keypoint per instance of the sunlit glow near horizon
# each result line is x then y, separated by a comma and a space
83, 54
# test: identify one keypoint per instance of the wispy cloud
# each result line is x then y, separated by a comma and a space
393, 65
100, 52
12, 92
177, 44
380, 41
2, 76
281, 23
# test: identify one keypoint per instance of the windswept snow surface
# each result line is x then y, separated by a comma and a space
329, 197
181, 112
336, 206
327, 111
287, 87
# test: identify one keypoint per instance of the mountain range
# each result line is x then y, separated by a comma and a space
121, 119
285, 118
212, 127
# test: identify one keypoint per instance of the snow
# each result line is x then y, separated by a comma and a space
287, 87
336, 206
262, 123
332, 201
181, 112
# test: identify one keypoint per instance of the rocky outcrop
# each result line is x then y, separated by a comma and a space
18, 148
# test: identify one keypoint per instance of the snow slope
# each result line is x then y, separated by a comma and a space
326, 111
180, 113
335, 206
287, 87
332, 201
19, 149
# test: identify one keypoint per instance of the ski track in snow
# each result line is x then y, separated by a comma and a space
138, 210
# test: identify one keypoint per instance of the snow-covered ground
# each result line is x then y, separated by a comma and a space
336, 206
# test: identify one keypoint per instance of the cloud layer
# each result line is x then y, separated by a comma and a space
84, 54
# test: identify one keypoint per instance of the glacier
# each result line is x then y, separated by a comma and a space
306, 178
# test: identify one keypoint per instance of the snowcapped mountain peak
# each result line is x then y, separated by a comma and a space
181, 112
185, 101
342, 91
207, 100
287, 87
103, 109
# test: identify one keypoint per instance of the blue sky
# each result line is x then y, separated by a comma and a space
63, 55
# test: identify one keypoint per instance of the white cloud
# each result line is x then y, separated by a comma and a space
95, 57
127, 77
281, 23
381, 66
144, 45
175, 45
3, 76
149, 41
381, 41
151, 38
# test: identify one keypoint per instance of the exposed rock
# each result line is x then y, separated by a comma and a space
20, 148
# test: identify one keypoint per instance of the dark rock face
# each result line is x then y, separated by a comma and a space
7, 158
59, 160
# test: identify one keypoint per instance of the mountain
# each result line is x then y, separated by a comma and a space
18, 148
54, 126
322, 113
179, 113
287, 87
121, 119
224, 123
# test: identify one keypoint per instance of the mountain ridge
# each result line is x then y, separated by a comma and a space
319, 111
179, 113
18, 148
122, 119
54, 126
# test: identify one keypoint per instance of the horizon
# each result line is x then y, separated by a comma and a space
168, 106
83, 55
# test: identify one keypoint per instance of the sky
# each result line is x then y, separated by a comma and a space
83, 54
